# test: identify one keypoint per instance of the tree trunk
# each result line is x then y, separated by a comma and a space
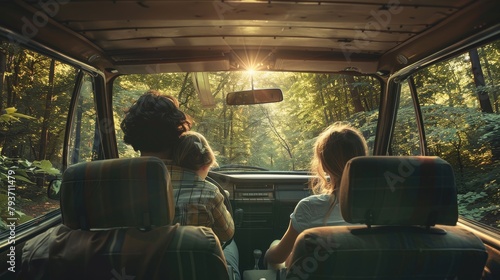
346, 96
458, 148
44, 136
3, 63
13, 80
355, 94
231, 134
97, 145
484, 99
281, 138
449, 86
75, 154
183, 90
323, 103
225, 128
492, 80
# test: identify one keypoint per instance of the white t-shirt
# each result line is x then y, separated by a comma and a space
310, 212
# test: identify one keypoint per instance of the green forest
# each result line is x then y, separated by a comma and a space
460, 111
276, 136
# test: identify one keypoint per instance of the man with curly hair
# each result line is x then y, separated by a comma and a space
153, 126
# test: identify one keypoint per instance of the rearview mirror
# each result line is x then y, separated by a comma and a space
254, 96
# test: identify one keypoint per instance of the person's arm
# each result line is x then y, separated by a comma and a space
223, 222
280, 252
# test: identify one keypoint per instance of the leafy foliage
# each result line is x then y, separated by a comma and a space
11, 115
17, 173
474, 205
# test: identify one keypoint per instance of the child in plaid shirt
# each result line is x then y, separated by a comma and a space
197, 201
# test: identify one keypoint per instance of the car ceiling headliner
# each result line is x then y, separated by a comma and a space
195, 36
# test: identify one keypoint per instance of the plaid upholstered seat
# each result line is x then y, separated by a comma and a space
117, 225
408, 206
133, 192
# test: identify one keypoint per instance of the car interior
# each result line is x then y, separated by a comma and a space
132, 230
429, 201
78, 203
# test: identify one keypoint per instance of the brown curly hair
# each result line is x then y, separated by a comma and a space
154, 123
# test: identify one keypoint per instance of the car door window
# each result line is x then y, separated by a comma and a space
85, 138
459, 102
35, 94
406, 139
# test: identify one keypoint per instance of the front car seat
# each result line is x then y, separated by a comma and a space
117, 217
408, 206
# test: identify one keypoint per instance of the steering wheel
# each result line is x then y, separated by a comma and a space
227, 203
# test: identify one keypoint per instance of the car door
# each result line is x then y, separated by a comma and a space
48, 121
450, 109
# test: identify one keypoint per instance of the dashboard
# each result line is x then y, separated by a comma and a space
262, 203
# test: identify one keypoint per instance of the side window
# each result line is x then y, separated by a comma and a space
123, 98
35, 93
85, 140
406, 139
460, 107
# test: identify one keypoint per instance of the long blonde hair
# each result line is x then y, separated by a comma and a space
193, 151
334, 147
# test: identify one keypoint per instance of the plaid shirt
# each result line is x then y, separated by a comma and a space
199, 203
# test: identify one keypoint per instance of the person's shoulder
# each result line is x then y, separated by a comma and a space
312, 203
178, 173
174, 168
315, 198
305, 203
175, 172
210, 186
305, 211
196, 181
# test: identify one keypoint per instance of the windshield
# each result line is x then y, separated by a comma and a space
271, 136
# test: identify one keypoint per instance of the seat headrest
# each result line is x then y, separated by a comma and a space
397, 190
129, 192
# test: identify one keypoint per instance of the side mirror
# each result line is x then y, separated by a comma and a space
254, 96
54, 189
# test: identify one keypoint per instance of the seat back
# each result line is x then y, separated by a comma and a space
383, 190
117, 225
408, 210
131, 192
